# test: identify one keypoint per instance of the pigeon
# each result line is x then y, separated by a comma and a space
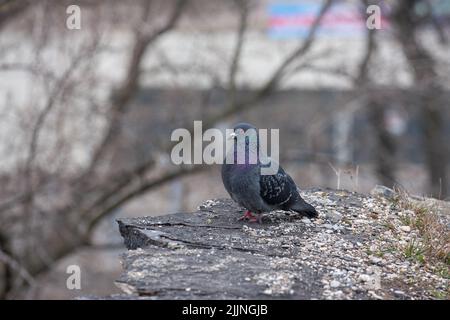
254, 191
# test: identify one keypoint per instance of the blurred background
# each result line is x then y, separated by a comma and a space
86, 114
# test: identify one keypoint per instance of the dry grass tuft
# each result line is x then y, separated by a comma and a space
430, 218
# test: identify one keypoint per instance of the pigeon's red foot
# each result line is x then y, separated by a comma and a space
250, 217
247, 216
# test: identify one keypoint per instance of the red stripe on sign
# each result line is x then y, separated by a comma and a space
327, 21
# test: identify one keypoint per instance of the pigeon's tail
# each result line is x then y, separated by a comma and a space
305, 209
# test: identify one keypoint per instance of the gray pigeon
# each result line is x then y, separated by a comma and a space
256, 192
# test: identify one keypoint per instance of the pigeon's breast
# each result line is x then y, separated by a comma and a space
245, 188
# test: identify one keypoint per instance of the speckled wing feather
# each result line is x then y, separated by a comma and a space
277, 189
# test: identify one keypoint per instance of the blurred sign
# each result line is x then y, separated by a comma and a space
294, 19
346, 18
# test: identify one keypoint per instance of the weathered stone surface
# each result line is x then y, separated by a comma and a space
382, 191
209, 254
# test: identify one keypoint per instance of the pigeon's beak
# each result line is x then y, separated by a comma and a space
232, 136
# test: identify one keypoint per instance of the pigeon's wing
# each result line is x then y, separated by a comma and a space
277, 189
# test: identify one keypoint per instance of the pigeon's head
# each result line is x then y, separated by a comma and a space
246, 143
242, 130
244, 126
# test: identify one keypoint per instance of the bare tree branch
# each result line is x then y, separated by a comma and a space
15, 265
9, 9
142, 187
123, 94
243, 20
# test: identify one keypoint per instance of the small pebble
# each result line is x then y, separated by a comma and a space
405, 228
335, 284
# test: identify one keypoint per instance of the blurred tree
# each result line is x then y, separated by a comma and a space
427, 88
384, 148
